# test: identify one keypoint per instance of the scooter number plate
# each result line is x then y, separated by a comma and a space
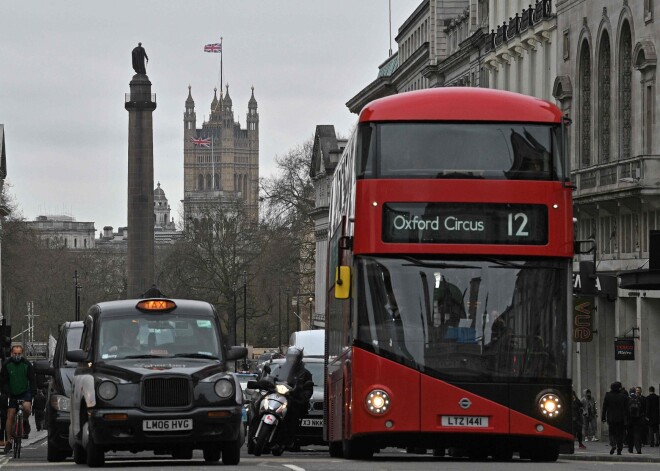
269, 419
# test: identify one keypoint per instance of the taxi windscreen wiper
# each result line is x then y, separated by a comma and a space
196, 355
146, 355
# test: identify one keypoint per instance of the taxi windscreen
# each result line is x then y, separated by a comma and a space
166, 335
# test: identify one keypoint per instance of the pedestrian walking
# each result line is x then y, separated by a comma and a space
615, 413
590, 414
637, 423
653, 416
39, 408
578, 420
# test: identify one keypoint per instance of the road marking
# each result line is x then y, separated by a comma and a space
294, 467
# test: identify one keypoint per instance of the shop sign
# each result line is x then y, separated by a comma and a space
583, 318
624, 349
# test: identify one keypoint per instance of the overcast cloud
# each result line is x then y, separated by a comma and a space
65, 66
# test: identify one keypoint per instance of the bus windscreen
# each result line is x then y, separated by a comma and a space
502, 151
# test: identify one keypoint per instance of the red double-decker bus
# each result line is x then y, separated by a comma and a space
450, 248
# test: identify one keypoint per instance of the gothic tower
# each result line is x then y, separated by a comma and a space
221, 159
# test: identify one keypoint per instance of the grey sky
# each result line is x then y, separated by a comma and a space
65, 66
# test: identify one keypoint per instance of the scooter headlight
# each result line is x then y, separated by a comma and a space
378, 402
281, 389
550, 405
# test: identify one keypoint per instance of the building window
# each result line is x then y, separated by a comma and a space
217, 181
209, 182
625, 91
85, 242
566, 44
200, 182
648, 117
648, 10
604, 98
585, 105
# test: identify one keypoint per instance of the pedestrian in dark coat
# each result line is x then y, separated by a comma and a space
615, 413
578, 420
637, 423
653, 416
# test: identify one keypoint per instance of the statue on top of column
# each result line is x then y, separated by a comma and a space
139, 56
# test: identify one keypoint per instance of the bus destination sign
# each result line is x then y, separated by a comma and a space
465, 223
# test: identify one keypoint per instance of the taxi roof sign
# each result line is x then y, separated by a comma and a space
156, 305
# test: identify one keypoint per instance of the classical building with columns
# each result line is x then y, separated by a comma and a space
326, 153
226, 166
606, 83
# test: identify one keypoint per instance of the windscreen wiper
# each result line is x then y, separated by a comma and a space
418, 263
471, 175
510, 264
146, 355
196, 355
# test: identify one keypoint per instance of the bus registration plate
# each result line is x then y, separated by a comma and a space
167, 425
464, 421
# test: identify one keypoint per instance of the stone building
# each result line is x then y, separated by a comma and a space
164, 226
442, 43
521, 48
605, 81
229, 167
326, 153
64, 231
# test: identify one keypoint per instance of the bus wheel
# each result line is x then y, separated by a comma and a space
336, 449
503, 453
356, 449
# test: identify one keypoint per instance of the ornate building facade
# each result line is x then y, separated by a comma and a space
326, 153
226, 170
605, 82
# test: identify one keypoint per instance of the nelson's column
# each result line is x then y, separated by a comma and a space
140, 104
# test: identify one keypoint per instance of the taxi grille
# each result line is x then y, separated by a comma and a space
166, 392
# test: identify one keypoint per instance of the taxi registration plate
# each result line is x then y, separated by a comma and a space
464, 421
311, 423
166, 425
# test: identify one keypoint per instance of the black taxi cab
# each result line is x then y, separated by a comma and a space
152, 375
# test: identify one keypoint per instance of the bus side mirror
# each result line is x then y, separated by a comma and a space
342, 282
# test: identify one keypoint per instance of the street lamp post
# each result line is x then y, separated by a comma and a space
279, 320
287, 291
77, 298
234, 322
245, 363
311, 300
298, 316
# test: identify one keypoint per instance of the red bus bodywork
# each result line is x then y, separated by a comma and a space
422, 399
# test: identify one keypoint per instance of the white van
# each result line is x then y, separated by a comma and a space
311, 341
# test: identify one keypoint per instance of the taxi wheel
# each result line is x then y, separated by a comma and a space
183, 454
95, 454
231, 453
211, 454
79, 455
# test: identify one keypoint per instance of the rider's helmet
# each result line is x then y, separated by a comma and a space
294, 356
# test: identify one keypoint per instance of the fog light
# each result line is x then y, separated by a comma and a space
540, 428
378, 402
389, 424
550, 405
115, 416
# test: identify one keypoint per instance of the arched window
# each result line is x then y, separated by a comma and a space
604, 97
200, 182
217, 181
85, 242
245, 184
625, 90
209, 184
585, 105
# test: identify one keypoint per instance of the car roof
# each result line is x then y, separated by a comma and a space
128, 306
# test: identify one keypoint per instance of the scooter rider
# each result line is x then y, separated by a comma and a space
300, 379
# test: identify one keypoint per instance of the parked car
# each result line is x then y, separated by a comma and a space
152, 375
58, 400
311, 425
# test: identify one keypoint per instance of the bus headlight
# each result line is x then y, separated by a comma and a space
107, 390
550, 405
377, 402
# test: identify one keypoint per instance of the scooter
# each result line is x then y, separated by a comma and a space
273, 403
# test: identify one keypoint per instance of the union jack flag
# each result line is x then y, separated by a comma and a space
215, 47
201, 141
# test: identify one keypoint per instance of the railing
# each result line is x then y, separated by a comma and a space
139, 97
618, 174
516, 26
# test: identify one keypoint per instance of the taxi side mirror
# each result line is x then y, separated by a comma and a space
77, 356
342, 282
252, 385
236, 353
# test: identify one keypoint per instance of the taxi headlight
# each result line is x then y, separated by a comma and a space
107, 390
60, 403
550, 405
281, 389
224, 388
377, 402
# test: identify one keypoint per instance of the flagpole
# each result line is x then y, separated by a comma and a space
212, 164
221, 66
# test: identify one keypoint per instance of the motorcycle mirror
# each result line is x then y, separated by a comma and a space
267, 369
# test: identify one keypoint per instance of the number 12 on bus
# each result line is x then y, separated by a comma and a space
449, 263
